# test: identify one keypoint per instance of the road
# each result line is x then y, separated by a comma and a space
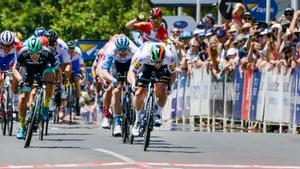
88, 146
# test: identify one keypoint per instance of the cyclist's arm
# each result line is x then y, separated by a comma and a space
107, 63
18, 64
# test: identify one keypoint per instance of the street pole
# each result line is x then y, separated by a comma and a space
268, 11
219, 14
179, 11
294, 4
198, 12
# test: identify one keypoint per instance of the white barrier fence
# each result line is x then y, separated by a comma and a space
269, 98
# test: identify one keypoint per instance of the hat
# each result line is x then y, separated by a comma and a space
208, 32
247, 13
194, 42
196, 32
239, 38
185, 35
263, 32
201, 32
288, 10
276, 26
285, 22
232, 51
233, 29
220, 32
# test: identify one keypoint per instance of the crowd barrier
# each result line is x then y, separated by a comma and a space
270, 97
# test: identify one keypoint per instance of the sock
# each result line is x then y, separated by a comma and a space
47, 102
22, 122
105, 111
158, 110
117, 119
138, 115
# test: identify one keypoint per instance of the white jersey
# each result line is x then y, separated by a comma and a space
143, 57
62, 51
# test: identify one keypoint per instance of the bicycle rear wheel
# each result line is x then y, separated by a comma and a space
3, 121
149, 123
10, 122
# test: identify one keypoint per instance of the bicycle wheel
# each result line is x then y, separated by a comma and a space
124, 124
41, 129
148, 122
46, 127
9, 113
131, 121
29, 130
3, 123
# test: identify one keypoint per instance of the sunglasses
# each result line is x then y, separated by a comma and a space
7, 46
247, 18
288, 14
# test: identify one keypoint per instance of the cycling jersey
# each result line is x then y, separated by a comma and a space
77, 61
8, 59
113, 55
149, 35
34, 70
143, 57
62, 51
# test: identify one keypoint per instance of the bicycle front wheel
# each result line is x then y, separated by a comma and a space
149, 123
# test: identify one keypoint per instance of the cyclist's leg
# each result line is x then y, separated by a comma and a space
106, 105
24, 97
49, 77
77, 82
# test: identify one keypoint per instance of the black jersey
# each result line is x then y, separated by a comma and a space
46, 60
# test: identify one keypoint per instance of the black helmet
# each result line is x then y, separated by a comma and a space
71, 45
51, 35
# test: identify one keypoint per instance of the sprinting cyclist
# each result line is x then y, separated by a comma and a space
116, 63
155, 60
38, 63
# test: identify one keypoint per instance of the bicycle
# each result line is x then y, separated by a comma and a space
127, 112
149, 109
33, 119
6, 118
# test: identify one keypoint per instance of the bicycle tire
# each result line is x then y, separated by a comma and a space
148, 122
124, 126
46, 127
41, 130
29, 131
3, 125
9, 113
131, 120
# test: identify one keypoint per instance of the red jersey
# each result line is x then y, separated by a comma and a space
149, 35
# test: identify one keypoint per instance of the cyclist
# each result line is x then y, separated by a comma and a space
9, 47
118, 56
78, 71
38, 32
60, 49
151, 31
38, 63
155, 60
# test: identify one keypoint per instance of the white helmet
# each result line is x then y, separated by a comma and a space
7, 37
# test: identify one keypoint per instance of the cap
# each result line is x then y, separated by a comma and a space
208, 32
276, 26
239, 38
285, 22
263, 32
231, 51
196, 32
220, 32
201, 32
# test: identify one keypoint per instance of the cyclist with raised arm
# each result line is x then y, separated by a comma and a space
39, 63
154, 61
151, 31
118, 58
78, 71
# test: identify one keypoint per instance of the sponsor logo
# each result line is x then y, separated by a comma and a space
180, 24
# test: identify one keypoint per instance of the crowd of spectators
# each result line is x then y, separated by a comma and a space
242, 42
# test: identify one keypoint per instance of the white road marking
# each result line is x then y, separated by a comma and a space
117, 155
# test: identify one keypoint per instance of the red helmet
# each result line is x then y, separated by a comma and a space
156, 12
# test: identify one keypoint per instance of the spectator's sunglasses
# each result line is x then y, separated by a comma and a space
247, 18
289, 14
176, 32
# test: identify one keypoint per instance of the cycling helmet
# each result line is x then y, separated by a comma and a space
39, 31
7, 37
34, 45
158, 53
51, 35
122, 42
44, 40
71, 45
156, 12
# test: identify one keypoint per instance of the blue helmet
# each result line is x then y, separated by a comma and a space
122, 42
39, 31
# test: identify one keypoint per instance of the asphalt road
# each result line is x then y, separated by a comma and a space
88, 146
